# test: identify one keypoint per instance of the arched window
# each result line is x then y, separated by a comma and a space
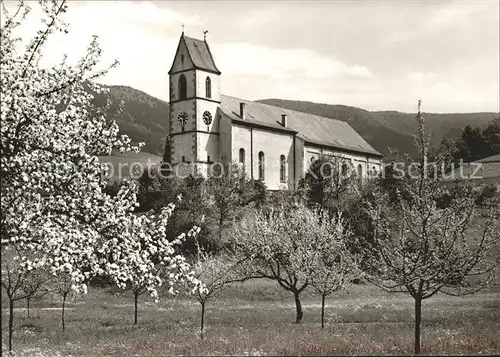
242, 158
208, 88
182, 87
360, 173
282, 168
261, 166
344, 169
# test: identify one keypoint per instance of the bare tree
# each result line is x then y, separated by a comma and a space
63, 288
424, 246
35, 287
213, 274
224, 189
330, 182
15, 278
281, 246
333, 265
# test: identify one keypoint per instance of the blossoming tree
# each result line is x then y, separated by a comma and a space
54, 211
153, 260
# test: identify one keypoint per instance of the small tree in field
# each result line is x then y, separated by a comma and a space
333, 265
213, 274
153, 260
35, 287
281, 246
224, 189
422, 246
63, 287
14, 281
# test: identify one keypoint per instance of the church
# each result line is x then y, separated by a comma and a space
272, 144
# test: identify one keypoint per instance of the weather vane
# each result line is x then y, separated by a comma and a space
205, 34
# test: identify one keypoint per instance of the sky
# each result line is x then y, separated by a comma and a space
376, 55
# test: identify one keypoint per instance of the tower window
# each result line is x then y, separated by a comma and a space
182, 87
282, 168
261, 166
208, 88
183, 159
208, 158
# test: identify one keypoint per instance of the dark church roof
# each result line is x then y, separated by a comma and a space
313, 129
200, 54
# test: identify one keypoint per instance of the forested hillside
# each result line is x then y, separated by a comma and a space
145, 118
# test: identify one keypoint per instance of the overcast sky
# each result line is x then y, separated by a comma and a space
377, 55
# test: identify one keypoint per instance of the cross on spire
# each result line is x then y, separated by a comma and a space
183, 28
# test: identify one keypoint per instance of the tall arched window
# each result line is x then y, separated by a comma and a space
261, 166
242, 158
282, 168
344, 169
360, 173
182, 87
208, 88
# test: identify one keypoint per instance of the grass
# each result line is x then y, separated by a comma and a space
256, 318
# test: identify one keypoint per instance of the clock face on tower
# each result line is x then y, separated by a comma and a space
182, 119
207, 118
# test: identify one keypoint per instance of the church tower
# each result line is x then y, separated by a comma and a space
194, 100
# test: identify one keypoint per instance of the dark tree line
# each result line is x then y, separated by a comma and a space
475, 143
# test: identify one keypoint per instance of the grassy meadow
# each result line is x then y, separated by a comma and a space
256, 318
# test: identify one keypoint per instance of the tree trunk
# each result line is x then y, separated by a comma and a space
62, 314
11, 322
322, 311
202, 319
136, 297
221, 222
28, 307
418, 319
298, 307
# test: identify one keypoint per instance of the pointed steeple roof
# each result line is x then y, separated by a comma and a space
199, 53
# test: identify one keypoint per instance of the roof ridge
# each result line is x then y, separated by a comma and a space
290, 110
324, 122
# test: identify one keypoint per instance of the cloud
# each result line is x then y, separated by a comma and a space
244, 58
449, 14
345, 64
417, 77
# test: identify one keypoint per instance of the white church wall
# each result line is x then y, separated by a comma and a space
183, 146
179, 64
207, 145
272, 144
367, 163
241, 140
201, 77
211, 107
225, 137
174, 85
186, 107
